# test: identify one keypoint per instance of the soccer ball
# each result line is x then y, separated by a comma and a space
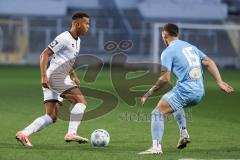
100, 138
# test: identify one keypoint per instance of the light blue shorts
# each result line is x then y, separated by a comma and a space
178, 99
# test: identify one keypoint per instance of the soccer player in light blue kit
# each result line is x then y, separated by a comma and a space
185, 61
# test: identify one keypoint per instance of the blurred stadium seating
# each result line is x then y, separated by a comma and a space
27, 28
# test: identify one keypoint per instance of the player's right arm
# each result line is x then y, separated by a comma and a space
43, 66
161, 82
54, 47
166, 61
212, 68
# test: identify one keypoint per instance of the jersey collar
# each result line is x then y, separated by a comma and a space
72, 35
173, 42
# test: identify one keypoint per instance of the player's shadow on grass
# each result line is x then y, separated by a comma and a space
58, 147
116, 148
203, 150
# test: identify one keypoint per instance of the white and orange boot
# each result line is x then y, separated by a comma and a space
23, 139
69, 137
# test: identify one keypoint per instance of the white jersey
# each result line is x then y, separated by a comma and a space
65, 48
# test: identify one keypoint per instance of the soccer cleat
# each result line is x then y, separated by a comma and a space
74, 137
152, 151
182, 143
23, 139
183, 140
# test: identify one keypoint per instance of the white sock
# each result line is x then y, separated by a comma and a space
76, 117
184, 133
38, 124
156, 144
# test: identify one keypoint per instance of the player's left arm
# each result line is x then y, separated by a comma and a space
212, 68
74, 77
161, 82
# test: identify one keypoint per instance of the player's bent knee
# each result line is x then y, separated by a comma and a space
164, 107
164, 111
80, 99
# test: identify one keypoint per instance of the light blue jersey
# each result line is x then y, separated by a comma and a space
184, 61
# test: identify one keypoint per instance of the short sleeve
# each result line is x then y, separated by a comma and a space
202, 56
56, 45
166, 61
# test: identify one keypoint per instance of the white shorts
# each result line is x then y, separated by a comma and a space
49, 96
58, 89
59, 80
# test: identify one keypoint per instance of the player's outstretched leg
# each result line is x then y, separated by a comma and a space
184, 139
157, 126
38, 124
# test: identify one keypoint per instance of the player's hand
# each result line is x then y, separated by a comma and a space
143, 99
45, 82
225, 87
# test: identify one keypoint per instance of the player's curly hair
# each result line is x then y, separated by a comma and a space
79, 15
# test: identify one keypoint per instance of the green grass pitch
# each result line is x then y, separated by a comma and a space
214, 124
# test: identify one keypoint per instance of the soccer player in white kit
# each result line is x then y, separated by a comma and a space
60, 81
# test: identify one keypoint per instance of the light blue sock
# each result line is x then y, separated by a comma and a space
179, 115
157, 127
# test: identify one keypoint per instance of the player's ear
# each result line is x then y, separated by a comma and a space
162, 35
77, 23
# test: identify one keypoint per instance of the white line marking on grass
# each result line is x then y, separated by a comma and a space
204, 159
